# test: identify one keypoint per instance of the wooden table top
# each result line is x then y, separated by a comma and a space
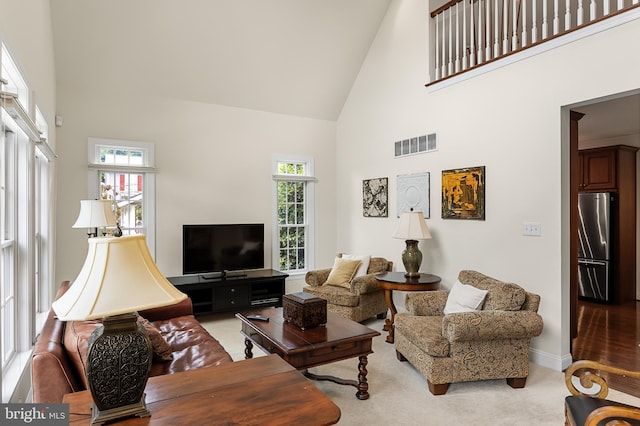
291, 338
264, 390
397, 281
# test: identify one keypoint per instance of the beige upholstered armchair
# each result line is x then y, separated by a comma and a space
363, 299
587, 404
491, 342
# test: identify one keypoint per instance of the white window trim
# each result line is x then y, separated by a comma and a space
310, 209
150, 179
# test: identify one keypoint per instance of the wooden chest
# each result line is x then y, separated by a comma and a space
304, 310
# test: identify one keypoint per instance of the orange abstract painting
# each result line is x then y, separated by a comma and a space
463, 193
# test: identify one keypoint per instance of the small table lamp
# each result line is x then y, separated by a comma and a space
412, 227
95, 214
118, 278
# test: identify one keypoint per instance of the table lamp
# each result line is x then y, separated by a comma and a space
412, 227
95, 214
118, 278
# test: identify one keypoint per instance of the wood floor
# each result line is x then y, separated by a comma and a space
610, 334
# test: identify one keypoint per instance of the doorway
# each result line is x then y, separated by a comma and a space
610, 121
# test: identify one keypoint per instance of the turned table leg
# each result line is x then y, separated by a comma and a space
248, 346
388, 322
363, 386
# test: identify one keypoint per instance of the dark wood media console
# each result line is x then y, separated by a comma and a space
237, 291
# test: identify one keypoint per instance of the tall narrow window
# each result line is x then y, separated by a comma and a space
8, 301
294, 194
123, 171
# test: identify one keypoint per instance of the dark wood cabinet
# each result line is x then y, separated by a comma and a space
251, 289
613, 169
598, 169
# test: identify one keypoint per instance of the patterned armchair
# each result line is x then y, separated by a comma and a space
491, 343
364, 299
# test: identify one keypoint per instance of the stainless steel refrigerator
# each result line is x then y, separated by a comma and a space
595, 230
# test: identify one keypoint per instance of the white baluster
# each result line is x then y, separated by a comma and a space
465, 62
496, 30
556, 18
487, 30
635, 1
514, 22
444, 45
480, 48
579, 13
437, 58
567, 15
545, 22
457, 65
534, 21
450, 40
605, 7
472, 59
524, 23
505, 27
592, 10
620, 4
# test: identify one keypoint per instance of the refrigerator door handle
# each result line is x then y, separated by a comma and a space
592, 262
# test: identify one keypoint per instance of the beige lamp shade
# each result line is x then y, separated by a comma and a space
95, 214
412, 226
119, 276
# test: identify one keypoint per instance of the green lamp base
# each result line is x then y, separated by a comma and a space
412, 259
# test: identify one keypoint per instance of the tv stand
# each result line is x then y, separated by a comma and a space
232, 290
231, 274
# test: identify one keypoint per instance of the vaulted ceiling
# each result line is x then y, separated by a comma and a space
297, 57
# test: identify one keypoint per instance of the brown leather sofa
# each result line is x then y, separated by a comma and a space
57, 365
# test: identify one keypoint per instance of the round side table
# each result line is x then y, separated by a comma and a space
390, 281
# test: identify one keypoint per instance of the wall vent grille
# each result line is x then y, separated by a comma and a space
416, 145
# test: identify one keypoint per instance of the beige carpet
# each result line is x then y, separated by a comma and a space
399, 394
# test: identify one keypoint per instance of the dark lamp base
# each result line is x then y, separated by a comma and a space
116, 391
100, 417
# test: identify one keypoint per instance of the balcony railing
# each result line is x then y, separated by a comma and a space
472, 33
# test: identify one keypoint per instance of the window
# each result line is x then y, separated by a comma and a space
8, 299
123, 171
26, 218
294, 195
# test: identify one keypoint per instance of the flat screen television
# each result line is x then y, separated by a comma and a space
218, 248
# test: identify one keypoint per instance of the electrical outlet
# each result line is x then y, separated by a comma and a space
532, 229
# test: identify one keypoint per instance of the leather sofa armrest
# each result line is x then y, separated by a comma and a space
491, 325
426, 304
179, 309
318, 277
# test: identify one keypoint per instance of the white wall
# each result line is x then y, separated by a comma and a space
213, 163
510, 120
25, 27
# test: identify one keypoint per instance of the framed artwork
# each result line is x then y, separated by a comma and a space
413, 193
375, 197
463, 193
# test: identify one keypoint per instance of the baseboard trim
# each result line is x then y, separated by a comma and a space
545, 359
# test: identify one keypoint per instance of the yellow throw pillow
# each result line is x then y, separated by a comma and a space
342, 272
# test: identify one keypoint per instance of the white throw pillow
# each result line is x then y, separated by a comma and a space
364, 263
464, 298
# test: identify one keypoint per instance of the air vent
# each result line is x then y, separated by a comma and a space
416, 145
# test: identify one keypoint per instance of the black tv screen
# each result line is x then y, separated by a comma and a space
216, 248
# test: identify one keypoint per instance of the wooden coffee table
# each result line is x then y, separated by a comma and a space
390, 281
265, 391
339, 339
